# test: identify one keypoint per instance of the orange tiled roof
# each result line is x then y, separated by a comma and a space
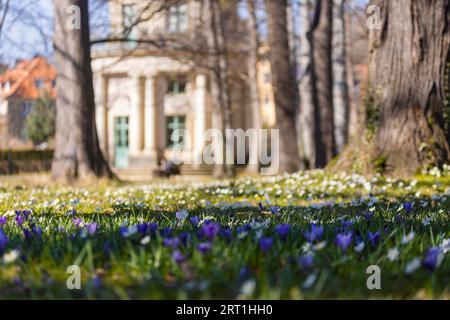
23, 79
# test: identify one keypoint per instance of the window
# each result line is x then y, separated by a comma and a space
128, 16
8, 86
177, 85
27, 106
173, 124
39, 83
267, 77
177, 19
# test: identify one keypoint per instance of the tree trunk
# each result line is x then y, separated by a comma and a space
352, 101
77, 152
305, 86
324, 126
253, 166
410, 84
220, 63
340, 89
284, 85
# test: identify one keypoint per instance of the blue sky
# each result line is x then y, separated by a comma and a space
28, 29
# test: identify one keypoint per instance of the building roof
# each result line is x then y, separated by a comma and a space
28, 79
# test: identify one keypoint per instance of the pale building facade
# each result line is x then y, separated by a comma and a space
143, 94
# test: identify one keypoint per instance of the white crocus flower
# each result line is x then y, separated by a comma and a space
408, 238
145, 240
11, 256
393, 254
412, 266
310, 280
360, 247
445, 246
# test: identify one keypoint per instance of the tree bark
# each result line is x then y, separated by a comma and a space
77, 152
284, 85
222, 89
306, 85
340, 89
410, 84
254, 43
324, 125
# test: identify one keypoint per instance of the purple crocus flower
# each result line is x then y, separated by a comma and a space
226, 233
260, 206
142, 227
3, 221
314, 234
178, 257
347, 224
77, 222
407, 206
91, 228
244, 273
153, 227
171, 242
275, 210
306, 261
244, 228
182, 215
27, 234
210, 230
37, 231
97, 281
26, 213
3, 241
431, 258
194, 221
265, 244
373, 237
343, 240
19, 220
283, 230
123, 231
369, 215
204, 247
185, 237
166, 232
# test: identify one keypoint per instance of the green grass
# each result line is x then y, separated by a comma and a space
117, 267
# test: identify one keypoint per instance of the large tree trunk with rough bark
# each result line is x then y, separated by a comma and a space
410, 84
284, 85
340, 89
77, 152
324, 125
306, 85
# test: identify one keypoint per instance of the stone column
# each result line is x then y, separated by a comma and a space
199, 116
136, 121
101, 84
150, 115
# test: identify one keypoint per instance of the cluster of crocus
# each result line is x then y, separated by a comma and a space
432, 258
91, 228
373, 237
407, 206
210, 230
265, 244
283, 230
3, 241
314, 234
343, 241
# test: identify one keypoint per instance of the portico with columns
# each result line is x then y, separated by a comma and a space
140, 101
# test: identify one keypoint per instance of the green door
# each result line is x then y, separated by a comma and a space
121, 142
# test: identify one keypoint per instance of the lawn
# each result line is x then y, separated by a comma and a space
302, 236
